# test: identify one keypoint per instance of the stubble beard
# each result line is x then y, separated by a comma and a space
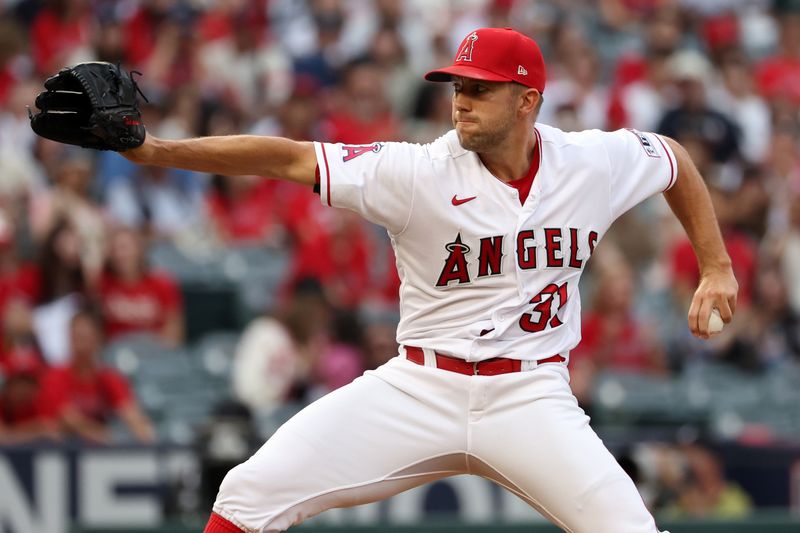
487, 139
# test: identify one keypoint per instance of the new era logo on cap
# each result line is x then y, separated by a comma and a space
496, 54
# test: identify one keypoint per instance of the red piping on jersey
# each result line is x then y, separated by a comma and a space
672, 175
327, 175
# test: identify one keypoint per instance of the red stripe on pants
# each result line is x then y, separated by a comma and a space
217, 524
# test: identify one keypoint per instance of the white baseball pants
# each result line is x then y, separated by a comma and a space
403, 425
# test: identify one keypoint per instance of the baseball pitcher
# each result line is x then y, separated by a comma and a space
492, 225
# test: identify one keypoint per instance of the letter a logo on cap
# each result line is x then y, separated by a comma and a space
465, 54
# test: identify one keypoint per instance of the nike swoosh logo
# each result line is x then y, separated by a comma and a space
459, 201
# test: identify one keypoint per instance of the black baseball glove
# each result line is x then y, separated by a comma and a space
93, 105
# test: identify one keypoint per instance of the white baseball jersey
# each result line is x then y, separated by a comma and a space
482, 274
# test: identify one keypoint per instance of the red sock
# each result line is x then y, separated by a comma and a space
217, 524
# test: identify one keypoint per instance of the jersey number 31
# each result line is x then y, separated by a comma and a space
543, 307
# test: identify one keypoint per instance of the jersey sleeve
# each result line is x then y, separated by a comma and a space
642, 164
374, 180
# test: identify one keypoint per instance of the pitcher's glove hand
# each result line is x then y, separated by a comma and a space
93, 105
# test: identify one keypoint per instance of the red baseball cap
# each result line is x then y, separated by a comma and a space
496, 54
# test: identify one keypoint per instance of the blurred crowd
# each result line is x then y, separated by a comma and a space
720, 76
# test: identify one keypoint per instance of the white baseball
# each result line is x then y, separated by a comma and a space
715, 323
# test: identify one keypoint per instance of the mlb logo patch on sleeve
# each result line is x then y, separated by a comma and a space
649, 149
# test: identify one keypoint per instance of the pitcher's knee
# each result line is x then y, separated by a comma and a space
242, 499
615, 507
232, 484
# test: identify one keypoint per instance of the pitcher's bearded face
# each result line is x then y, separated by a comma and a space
483, 113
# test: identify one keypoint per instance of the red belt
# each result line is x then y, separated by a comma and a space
487, 367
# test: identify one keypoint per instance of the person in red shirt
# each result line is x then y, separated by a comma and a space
361, 114
238, 208
18, 280
778, 76
22, 418
741, 248
339, 258
612, 337
83, 395
60, 35
135, 299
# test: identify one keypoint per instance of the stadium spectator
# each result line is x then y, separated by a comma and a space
313, 36
400, 83
298, 117
741, 248
161, 42
12, 44
64, 281
162, 202
61, 35
575, 100
22, 415
768, 334
70, 199
704, 491
135, 299
787, 253
84, 395
361, 114
614, 338
777, 74
736, 98
18, 279
108, 39
431, 117
62, 270
290, 357
18, 341
242, 209
709, 136
246, 69
338, 256
17, 142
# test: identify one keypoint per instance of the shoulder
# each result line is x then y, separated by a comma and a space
552, 136
445, 147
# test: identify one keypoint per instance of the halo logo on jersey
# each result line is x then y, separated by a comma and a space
465, 52
353, 151
455, 266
